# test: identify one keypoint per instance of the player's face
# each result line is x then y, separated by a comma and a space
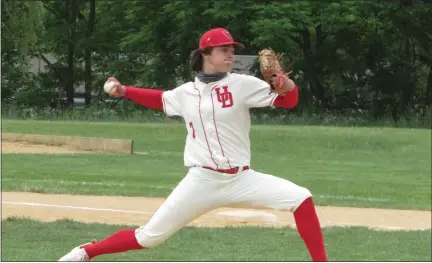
222, 58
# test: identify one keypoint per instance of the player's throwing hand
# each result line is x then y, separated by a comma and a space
114, 88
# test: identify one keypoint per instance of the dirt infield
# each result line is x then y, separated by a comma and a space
23, 147
91, 144
138, 210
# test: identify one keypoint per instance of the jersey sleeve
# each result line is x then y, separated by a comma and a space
171, 102
257, 93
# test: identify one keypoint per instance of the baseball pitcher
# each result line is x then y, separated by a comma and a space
215, 107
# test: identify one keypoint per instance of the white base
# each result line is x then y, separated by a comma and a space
245, 215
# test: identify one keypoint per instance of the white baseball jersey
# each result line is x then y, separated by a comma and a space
217, 118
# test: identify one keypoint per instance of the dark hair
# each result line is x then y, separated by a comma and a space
196, 58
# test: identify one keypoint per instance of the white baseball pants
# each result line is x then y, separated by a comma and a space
203, 190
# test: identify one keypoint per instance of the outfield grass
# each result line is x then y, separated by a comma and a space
366, 167
55, 239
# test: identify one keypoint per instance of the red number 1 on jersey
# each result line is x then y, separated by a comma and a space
193, 130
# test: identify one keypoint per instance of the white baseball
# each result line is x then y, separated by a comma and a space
109, 87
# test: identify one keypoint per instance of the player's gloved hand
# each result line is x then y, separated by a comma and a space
114, 88
273, 73
282, 83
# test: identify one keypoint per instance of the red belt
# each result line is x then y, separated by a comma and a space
228, 171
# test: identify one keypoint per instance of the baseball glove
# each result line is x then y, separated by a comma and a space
272, 71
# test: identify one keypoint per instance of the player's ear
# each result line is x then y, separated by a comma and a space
207, 51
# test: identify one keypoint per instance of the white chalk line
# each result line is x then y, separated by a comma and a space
86, 208
76, 207
150, 213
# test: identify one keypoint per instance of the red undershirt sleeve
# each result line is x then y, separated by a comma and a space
150, 98
288, 101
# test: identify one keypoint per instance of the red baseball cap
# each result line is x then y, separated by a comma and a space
217, 37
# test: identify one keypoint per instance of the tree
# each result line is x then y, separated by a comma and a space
20, 24
89, 24
371, 57
60, 40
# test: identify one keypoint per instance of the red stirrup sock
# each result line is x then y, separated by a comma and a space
120, 241
309, 229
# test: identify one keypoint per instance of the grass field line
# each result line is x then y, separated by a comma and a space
119, 184
359, 198
181, 124
151, 213
72, 182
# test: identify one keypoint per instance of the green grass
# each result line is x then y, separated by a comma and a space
367, 167
131, 112
364, 167
19, 243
